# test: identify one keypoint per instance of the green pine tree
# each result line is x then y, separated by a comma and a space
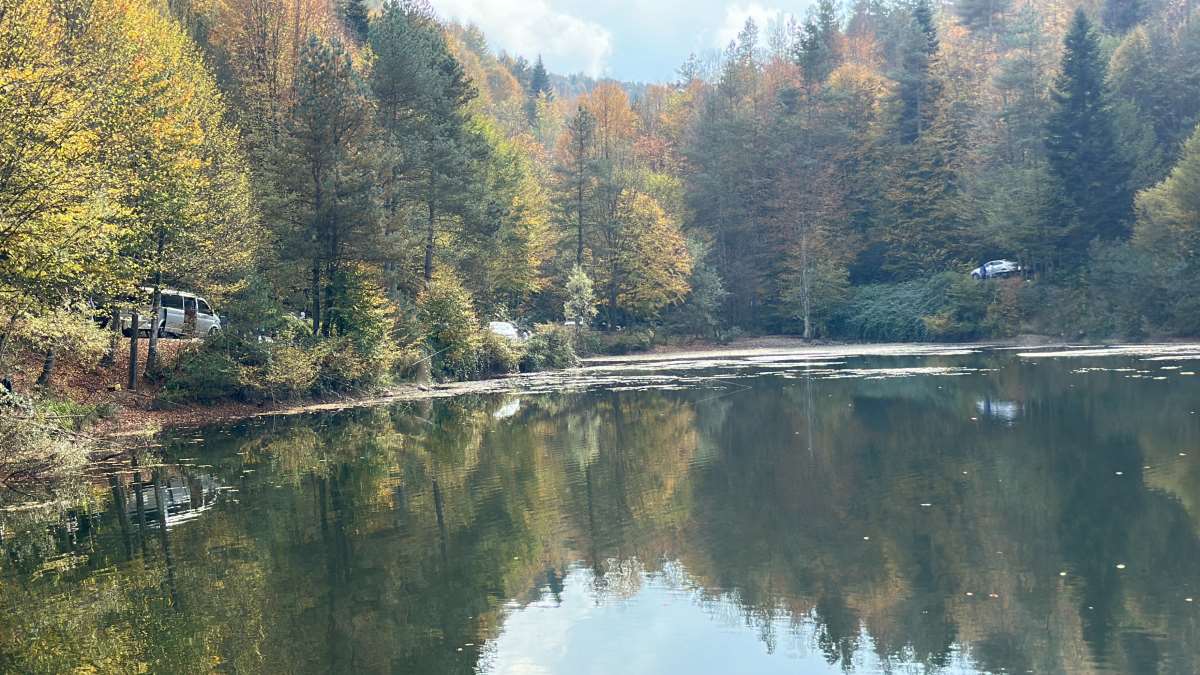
423, 95
818, 49
1120, 16
981, 15
1081, 145
917, 88
357, 19
539, 79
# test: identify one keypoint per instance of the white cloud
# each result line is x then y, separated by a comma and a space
735, 20
531, 27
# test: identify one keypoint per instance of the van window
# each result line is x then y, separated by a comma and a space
189, 305
172, 301
204, 308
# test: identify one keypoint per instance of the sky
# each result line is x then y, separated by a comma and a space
625, 39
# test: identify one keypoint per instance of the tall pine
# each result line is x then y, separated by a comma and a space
1081, 146
422, 95
917, 88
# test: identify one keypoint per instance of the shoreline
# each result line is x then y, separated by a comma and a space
135, 418
139, 421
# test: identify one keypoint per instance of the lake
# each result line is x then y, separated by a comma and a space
848, 509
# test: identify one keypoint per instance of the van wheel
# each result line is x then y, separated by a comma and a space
213, 331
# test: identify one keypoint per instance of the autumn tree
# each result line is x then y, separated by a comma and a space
643, 264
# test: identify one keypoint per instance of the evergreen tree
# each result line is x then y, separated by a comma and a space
818, 47
326, 203
917, 88
577, 175
980, 15
1081, 146
539, 79
927, 228
422, 95
1120, 16
357, 18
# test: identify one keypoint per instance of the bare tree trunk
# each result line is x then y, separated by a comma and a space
429, 235
47, 369
133, 351
155, 311
156, 303
805, 286
316, 296
579, 223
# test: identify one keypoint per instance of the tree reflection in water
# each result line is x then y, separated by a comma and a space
866, 524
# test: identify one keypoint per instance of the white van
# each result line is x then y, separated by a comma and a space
183, 315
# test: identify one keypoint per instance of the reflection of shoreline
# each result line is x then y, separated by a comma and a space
855, 520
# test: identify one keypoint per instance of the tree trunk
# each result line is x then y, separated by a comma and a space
429, 234
316, 296
133, 351
114, 340
805, 287
579, 223
155, 311
47, 369
330, 280
156, 303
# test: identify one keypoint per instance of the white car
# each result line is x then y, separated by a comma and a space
183, 315
996, 269
508, 330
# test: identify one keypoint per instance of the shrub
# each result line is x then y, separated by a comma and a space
891, 312
946, 306
549, 348
452, 328
38, 440
204, 374
498, 356
625, 341
290, 372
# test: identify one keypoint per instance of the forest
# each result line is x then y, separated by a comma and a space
359, 188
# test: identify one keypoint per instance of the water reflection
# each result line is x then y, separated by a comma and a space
777, 523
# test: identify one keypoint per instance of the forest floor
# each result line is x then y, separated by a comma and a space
128, 415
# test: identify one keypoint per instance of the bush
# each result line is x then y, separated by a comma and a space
947, 306
498, 356
39, 440
453, 332
549, 349
624, 342
292, 365
204, 374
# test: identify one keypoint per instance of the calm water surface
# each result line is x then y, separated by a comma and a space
962, 511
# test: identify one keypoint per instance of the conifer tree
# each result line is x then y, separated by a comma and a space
1081, 145
357, 19
423, 94
1120, 16
917, 88
576, 172
818, 48
326, 203
980, 15
539, 79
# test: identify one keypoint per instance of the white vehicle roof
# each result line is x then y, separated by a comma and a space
171, 291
